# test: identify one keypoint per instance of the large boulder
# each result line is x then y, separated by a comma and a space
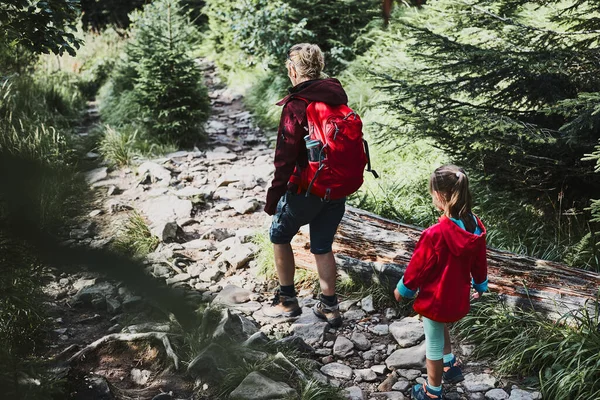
408, 332
234, 327
412, 357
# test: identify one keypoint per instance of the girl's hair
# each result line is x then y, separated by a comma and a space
307, 59
452, 184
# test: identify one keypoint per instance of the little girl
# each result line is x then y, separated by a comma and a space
446, 256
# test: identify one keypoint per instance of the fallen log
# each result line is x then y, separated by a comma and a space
368, 245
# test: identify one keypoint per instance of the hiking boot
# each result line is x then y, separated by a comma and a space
283, 306
452, 372
329, 313
419, 392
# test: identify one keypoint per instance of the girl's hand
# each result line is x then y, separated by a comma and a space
476, 295
397, 295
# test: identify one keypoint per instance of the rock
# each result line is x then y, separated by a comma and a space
257, 339
354, 315
232, 295
388, 383
343, 347
472, 396
354, 393
366, 375
163, 212
402, 385
245, 235
209, 363
408, 331
189, 191
379, 369
536, 395
94, 213
234, 327
478, 382
82, 283
178, 278
218, 234
140, 376
390, 313
239, 256
210, 274
97, 292
154, 173
258, 387
244, 206
496, 394
310, 328
337, 370
367, 304
369, 354
96, 175
198, 244
518, 394
380, 330
409, 374
388, 395
412, 357
113, 305
286, 367
360, 341
346, 304
295, 343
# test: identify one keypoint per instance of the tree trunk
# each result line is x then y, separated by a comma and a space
367, 245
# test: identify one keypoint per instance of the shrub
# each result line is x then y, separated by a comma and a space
157, 84
135, 238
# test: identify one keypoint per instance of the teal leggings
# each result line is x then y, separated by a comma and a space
434, 339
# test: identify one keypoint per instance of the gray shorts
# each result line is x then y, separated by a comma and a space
296, 210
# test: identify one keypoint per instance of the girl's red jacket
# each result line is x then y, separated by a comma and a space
445, 259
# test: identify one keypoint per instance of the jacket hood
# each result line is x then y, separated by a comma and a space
327, 90
459, 240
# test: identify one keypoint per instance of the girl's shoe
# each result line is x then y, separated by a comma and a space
419, 392
452, 372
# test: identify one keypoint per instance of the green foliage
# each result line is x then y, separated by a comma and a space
313, 390
97, 15
265, 258
157, 85
261, 32
563, 354
40, 26
135, 238
352, 286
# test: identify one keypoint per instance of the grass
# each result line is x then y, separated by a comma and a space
355, 287
563, 354
265, 258
135, 238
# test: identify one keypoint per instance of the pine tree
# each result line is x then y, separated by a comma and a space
509, 89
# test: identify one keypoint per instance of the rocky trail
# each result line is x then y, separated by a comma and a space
205, 206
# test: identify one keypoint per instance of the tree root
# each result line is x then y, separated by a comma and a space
128, 337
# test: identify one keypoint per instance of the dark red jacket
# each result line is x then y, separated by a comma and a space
441, 267
290, 151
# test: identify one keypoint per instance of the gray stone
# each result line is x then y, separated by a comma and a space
209, 363
235, 327
189, 191
156, 173
536, 395
257, 339
343, 347
160, 270
402, 385
364, 375
239, 256
380, 330
232, 295
354, 315
199, 244
369, 354
96, 387
295, 343
218, 234
83, 282
408, 332
163, 212
388, 395
519, 394
178, 278
354, 393
258, 387
98, 292
346, 304
472, 396
496, 394
337, 370
388, 383
244, 206
96, 175
310, 328
478, 382
140, 376
409, 374
379, 369
360, 341
367, 304
412, 357
113, 305
210, 274
286, 367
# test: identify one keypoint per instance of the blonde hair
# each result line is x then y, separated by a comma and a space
307, 59
452, 184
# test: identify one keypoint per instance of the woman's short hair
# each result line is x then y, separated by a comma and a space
307, 59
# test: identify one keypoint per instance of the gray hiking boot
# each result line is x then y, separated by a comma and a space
283, 306
329, 313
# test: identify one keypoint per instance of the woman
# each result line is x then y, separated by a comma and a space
286, 199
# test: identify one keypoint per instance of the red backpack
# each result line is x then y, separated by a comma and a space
344, 152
